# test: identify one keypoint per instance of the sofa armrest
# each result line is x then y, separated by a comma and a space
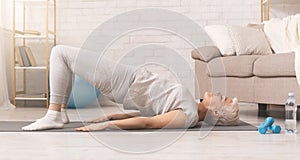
206, 53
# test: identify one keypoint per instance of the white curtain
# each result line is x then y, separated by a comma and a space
5, 104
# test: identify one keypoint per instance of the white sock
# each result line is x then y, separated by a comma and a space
51, 120
64, 116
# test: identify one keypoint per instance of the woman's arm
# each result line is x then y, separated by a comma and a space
172, 119
113, 117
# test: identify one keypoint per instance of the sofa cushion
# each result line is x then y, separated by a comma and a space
275, 65
234, 66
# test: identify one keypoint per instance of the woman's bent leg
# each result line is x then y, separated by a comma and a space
62, 63
104, 74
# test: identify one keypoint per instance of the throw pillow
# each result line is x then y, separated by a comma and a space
220, 35
249, 41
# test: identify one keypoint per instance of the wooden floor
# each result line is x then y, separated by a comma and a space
120, 145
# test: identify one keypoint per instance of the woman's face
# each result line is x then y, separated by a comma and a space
225, 109
215, 98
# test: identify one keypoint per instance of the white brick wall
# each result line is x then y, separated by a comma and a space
76, 19
282, 8
78, 16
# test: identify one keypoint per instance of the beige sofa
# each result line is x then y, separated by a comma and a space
252, 78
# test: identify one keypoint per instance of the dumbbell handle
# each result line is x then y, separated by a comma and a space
269, 121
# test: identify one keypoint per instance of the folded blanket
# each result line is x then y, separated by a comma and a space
284, 36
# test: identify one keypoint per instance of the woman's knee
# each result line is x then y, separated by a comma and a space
61, 52
56, 51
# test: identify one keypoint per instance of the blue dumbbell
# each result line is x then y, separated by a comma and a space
268, 126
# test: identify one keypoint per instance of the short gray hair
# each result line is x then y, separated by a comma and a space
220, 114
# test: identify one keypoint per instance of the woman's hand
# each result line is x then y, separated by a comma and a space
93, 127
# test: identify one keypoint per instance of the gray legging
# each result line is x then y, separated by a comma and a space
107, 76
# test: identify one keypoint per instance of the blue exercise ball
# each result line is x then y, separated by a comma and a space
83, 94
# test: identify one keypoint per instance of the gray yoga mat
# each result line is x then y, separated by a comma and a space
15, 126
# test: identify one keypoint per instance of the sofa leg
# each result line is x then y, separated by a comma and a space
262, 110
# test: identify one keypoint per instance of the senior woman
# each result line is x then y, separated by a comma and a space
161, 103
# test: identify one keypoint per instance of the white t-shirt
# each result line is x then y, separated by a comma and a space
153, 96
